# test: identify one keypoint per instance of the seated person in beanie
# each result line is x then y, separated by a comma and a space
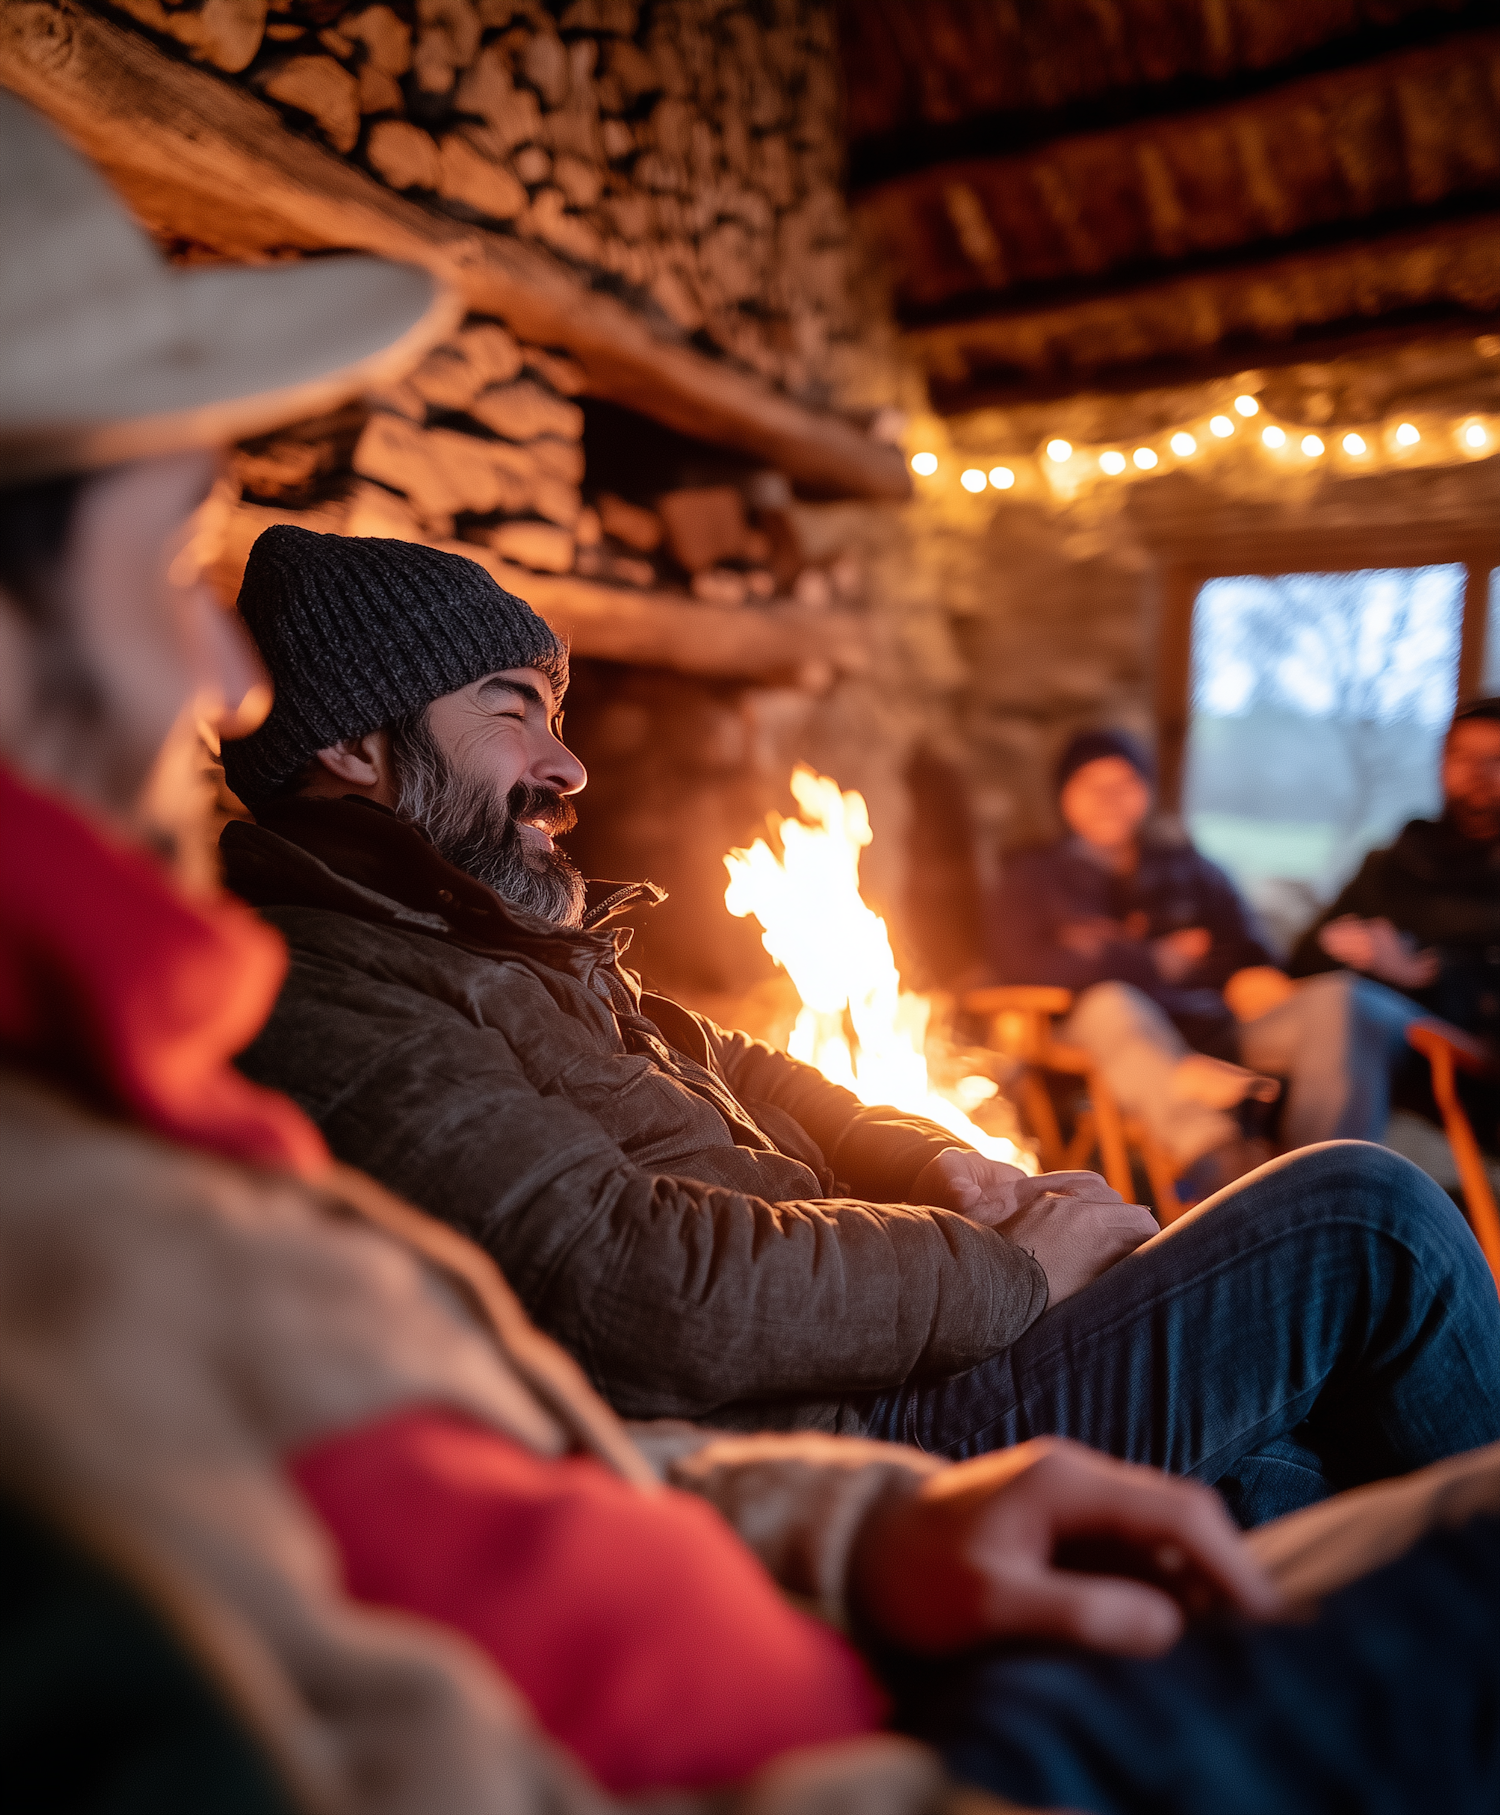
712, 1228
1179, 1002
259, 1413
1424, 915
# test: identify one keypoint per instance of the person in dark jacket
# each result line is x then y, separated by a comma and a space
1180, 1002
715, 1230
1423, 915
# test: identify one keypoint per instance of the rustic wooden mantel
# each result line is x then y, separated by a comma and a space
782, 644
201, 159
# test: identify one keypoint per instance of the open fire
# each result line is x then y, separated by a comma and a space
857, 1024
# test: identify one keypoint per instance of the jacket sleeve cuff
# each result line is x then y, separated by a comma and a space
799, 1500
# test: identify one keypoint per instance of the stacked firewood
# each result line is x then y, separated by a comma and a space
483, 443
685, 152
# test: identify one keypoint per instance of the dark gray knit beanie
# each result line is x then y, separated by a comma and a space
358, 631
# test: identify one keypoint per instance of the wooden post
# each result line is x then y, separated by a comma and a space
1174, 661
1471, 654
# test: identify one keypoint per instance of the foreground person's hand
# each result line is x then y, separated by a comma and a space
1073, 1224
1052, 1541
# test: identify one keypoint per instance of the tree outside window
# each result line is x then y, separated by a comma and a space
1319, 702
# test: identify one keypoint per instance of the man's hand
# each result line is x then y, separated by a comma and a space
1256, 989
1377, 947
1088, 938
1052, 1541
1175, 954
1072, 1223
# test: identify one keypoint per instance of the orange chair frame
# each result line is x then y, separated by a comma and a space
1021, 1018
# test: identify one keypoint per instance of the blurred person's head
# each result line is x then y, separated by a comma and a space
1105, 788
406, 676
1471, 770
120, 379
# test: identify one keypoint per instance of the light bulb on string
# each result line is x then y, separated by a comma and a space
972, 480
1112, 463
1145, 458
1221, 426
1183, 444
1247, 406
1355, 444
1408, 434
925, 464
1059, 450
1312, 446
1475, 435
1002, 478
1273, 436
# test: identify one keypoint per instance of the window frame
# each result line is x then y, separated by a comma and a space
1185, 566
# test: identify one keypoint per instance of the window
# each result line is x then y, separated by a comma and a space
1318, 707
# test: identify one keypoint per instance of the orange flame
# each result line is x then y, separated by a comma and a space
838, 954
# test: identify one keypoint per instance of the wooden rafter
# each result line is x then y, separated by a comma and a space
202, 159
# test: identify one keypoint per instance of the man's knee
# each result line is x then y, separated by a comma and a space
1365, 1010
1362, 1184
1111, 1011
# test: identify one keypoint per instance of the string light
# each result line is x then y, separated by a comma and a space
1475, 435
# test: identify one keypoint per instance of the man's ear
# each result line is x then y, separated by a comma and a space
357, 765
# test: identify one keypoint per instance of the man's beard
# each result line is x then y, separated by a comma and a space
482, 835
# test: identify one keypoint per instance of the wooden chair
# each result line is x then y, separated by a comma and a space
1021, 1025
1448, 1051
1020, 1021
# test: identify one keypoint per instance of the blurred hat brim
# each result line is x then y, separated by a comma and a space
206, 356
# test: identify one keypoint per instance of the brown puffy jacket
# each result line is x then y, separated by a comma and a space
713, 1229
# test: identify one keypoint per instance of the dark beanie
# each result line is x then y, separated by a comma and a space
359, 631
1089, 746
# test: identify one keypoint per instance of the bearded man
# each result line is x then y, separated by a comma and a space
713, 1229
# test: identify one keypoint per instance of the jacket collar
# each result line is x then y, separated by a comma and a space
358, 858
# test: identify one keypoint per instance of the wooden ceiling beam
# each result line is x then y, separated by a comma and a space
933, 81
1311, 305
203, 160
1359, 152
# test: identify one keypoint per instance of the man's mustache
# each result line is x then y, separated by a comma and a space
543, 807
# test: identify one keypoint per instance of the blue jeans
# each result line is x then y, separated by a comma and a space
1389, 1701
1326, 1321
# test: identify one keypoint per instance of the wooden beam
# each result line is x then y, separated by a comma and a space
1174, 654
774, 643
202, 158
1471, 652
1355, 154
1248, 312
